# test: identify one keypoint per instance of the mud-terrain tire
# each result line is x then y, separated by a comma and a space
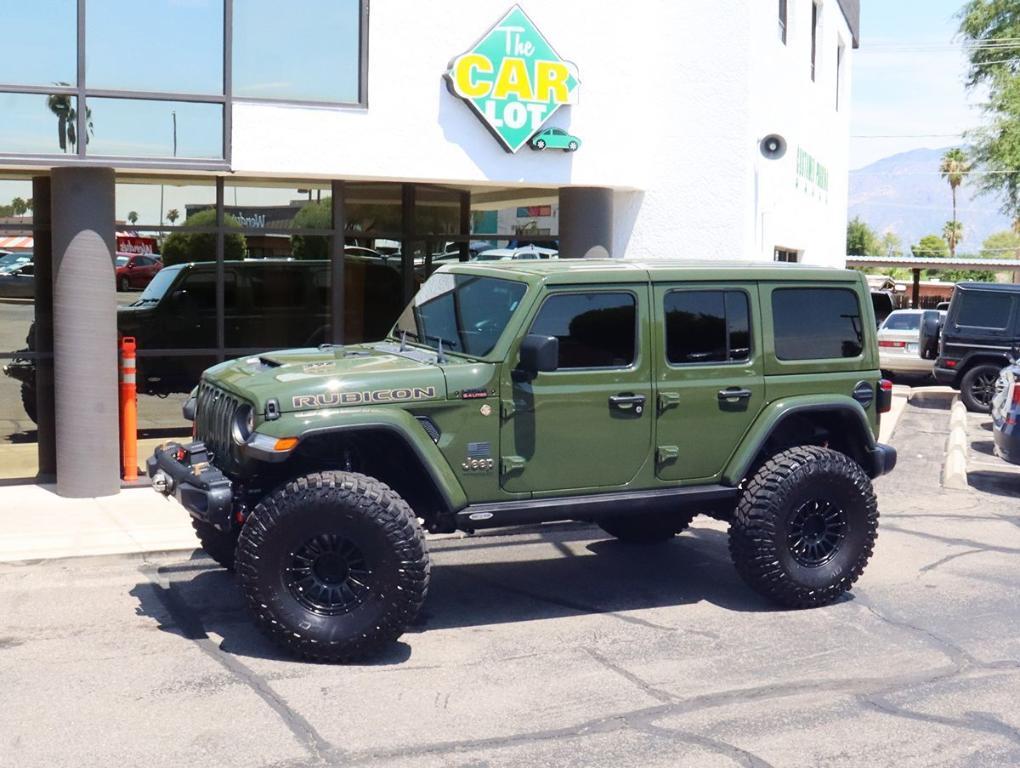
29, 402
333, 565
646, 529
805, 527
219, 545
978, 387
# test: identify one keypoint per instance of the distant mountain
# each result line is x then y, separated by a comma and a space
904, 194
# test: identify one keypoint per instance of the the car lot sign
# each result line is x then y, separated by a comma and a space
513, 79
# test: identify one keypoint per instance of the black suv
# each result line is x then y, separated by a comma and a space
268, 304
977, 339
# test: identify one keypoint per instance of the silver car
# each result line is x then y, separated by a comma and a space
898, 341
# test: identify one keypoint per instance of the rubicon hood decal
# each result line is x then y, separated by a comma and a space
334, 399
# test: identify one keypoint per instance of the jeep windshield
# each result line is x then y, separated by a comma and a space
466, 313
157, 287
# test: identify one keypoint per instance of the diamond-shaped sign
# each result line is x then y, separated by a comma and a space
513, 79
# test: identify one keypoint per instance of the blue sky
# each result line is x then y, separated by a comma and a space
908, 80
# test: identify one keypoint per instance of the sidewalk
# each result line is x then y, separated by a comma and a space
37, 524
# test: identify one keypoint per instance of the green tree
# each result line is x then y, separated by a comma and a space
172, 215
317, 215
183, 246
67, 120
952, 168
133, 217
891, 245
19, 207
995, 147
1001, 245
952, 233
930, 247
861, 240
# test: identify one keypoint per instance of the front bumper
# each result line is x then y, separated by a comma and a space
184, 472
883, 459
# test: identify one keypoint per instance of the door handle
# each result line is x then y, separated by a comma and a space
627, 402
734, 394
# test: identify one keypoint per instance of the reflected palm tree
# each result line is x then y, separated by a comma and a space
67, 120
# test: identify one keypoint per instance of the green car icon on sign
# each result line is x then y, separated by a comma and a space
554, 138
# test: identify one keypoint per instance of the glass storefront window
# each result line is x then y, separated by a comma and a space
157, 204
155, 45
138, 128
38, 124
41, 43
309, 52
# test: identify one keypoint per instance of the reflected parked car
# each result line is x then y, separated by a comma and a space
899, 338
18, 281
9, 261
135, 271
528, 253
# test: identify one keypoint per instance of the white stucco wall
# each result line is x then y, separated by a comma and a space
674, 96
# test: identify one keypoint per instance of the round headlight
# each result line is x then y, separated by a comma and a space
244, 424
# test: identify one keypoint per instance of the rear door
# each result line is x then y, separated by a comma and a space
588, 424
709, 381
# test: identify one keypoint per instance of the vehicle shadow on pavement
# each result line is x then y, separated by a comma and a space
998, 483
555, 576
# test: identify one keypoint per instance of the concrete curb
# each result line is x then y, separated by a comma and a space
954, 471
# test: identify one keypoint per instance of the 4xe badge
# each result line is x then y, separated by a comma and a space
513, 79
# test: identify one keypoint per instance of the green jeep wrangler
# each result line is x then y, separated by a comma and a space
632, 395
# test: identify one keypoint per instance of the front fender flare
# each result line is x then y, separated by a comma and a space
395, 421
780, 410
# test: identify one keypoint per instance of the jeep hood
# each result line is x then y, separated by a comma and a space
332, 377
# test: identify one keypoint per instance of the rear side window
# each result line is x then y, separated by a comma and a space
984, 309
596, 330
816, 323
278, 287
707, 327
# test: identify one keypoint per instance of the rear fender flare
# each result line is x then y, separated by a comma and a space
774, 416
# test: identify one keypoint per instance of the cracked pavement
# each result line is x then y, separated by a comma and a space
560, 648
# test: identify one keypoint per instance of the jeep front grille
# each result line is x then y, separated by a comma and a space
214, 414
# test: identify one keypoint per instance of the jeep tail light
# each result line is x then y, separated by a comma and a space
950, 363
884, 396
1016, 394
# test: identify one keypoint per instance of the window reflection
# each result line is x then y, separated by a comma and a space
308, 53
137, 128
38, 124
137, 46
40, 44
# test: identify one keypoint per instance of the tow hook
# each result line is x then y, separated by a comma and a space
162, 483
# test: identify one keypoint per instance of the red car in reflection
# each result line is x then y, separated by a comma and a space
135, 271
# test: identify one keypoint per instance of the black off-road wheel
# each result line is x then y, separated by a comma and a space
805, 527
646, 529
333, 566
219, 545
978, 387
29, 402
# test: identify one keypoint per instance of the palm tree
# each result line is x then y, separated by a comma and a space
172, 215
133, 216
952, 233
953, 167
67, 120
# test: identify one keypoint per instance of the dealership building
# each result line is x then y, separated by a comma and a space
228, 132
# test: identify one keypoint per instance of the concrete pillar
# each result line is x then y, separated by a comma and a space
85, 332
43, 342
586, 222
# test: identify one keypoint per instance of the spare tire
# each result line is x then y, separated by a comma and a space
931, 332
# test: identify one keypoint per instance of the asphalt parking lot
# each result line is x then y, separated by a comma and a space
558, 648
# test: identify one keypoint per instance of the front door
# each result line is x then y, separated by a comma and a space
588, 424
709, 379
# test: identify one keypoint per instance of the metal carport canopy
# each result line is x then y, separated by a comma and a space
909, 262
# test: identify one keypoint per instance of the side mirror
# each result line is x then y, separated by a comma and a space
931, 330
539, 354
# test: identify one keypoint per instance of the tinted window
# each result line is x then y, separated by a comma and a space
707, 326
906, 321
984, 309
816, 323
596, 330
278, 287
200, 290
